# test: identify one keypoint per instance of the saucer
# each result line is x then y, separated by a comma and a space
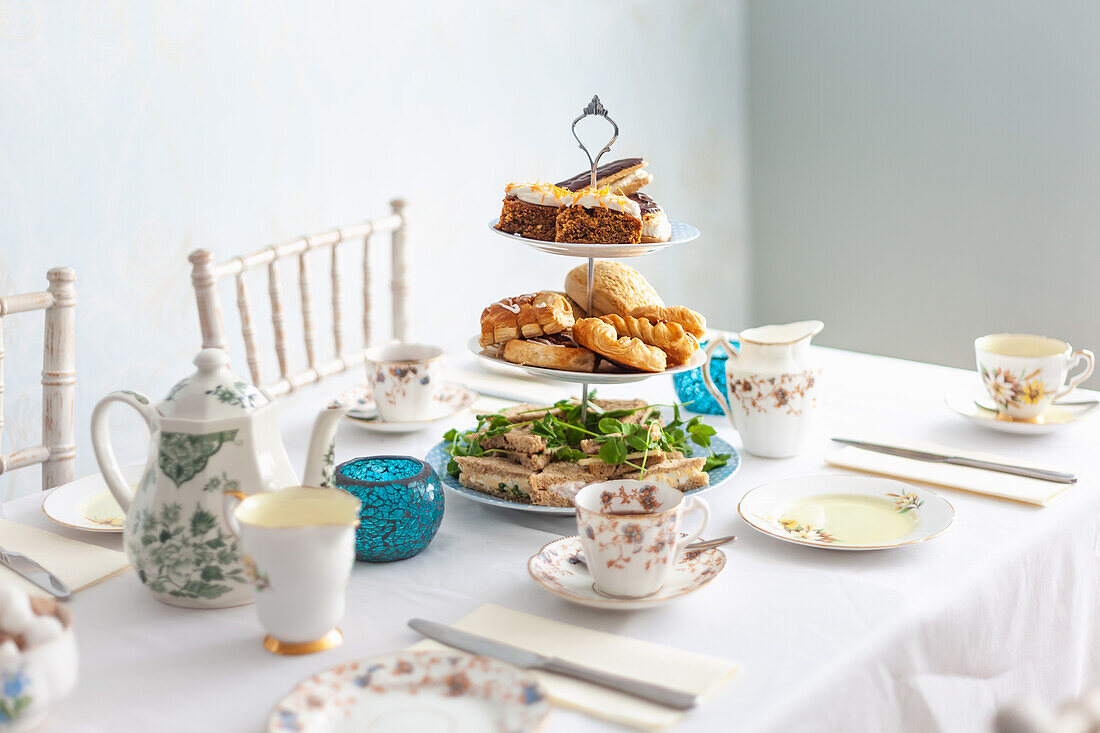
414, 691
839, 511
86, 503
558, 569
453, 399
1054, 418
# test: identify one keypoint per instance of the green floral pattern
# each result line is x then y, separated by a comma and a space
137, 396
222, 484
185, 557
183, 455
328, 467
240, 394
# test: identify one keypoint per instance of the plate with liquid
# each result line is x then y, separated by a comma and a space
87, 504
845, 512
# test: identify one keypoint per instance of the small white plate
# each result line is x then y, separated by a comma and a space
681, 234
599, 377
438, 458
558, 569
453, 399
845, 512
1054, 418
87, 504
414, 691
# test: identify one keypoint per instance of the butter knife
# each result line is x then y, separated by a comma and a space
25, 567
1042, 474
529, 660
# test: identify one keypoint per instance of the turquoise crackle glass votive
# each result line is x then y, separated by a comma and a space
402, 505
692, 391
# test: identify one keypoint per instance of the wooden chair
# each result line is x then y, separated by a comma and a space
58, 450
205, 276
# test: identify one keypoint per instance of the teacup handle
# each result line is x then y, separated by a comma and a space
697, 506
1090, 362
230, 501
724, 341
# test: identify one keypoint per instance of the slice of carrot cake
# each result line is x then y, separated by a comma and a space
530, 209
599, 217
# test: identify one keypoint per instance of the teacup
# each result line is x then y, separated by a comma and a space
630, 531
1024, 373
405, 380
298, 546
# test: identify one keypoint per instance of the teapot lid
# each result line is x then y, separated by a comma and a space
213, 392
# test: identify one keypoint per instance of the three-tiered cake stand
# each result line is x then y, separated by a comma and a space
681, 233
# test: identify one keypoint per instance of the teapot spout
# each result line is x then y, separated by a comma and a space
321, 458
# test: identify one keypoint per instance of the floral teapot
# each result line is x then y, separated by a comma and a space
214, 432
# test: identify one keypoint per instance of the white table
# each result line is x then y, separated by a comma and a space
927, 637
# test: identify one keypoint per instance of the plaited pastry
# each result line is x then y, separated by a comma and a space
633, 353
692, 321
623, 177
557, 351
670, 338
616, 288
525, 316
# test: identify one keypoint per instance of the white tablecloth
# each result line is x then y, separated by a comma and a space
923, 638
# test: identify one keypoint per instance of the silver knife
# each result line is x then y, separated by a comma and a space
1042, 474
35, 573
529, 660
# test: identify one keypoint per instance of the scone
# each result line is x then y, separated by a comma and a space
525, 316
557, 351
616, 288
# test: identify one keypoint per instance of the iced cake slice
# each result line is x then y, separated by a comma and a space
531, 209
599, 217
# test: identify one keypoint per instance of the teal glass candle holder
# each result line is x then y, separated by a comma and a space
691, 390
402, 505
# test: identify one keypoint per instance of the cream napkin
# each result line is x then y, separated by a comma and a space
521, 388
642, 660
77, 564
980, 481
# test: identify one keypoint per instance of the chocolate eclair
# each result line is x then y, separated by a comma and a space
655, 225
622, 177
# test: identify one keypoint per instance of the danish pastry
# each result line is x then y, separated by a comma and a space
525, 316
670, 338
557, 351
616, 288
602, 337
692, 321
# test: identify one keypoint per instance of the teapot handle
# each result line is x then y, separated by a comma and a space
722, 340
101, 441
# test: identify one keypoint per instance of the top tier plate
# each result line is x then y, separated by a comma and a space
681, 233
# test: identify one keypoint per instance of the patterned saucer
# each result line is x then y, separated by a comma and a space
558, 568
86, 503
453, 399
1055, 417
414, 691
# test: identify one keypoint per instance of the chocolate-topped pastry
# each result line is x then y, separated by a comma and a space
655, 225
622, 177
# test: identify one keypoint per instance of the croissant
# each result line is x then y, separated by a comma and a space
670, 338
692, 321
525, 316
600, 336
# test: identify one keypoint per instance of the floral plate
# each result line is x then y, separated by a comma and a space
558, 568
438, 459
596, 377
453, 399
846, 512
1054, 418
681, 234
86, 503
414, 691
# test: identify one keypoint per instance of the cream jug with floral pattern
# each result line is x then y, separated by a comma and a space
214, 432
771, 385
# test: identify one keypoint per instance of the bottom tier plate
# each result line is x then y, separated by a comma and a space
438, 458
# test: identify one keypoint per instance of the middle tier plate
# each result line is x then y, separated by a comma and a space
597, 377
